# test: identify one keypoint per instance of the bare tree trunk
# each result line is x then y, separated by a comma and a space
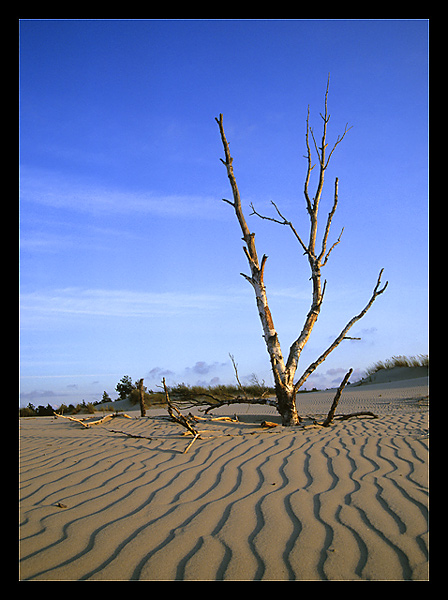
284, 373
142, 398
285, 395
286, 404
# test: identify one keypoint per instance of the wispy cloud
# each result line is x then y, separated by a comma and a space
51, 189
115, 303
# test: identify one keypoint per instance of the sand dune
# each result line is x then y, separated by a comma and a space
345, 503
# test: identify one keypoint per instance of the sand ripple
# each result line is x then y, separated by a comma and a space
345, 503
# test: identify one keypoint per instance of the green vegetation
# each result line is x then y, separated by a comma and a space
47, 411
421, 360
124, 387
195, 395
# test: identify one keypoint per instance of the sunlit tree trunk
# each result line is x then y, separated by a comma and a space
317, 255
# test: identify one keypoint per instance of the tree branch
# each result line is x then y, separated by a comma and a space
332, 410
327, 229
313, 366
257, 272
284, 221
338, 141
247, 235
235, 368
310, 166
180, 419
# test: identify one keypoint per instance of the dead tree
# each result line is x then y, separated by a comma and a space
317, 253
141, 395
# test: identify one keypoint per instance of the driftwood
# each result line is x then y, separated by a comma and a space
180, 418
239, 400
268, 424
87, 424
365, 413
131, 435
331, 413
224, 418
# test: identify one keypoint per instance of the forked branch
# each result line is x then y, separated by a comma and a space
284, 373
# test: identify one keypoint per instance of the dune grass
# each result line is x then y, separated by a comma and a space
421, 360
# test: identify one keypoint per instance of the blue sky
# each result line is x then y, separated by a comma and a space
129, 259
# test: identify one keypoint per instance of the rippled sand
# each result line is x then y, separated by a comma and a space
342, 503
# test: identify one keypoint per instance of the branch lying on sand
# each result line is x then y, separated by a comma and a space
365, 413
86, 423
225, 418
180, 418
239, 400
131, 435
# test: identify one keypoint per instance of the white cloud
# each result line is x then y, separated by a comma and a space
51, 189
115, 303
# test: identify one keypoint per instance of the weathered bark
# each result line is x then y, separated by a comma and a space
286, 404
286, 401
284, 372
141, 398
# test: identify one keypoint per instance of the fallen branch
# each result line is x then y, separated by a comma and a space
191, 443
180, 418
366, 413
131, 435
197, 418
239, 400
331, 413
87, 424
268, 424
81, 421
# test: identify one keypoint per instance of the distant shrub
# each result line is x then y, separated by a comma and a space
421, 360
196, 395
40, 411
48, 411
134, 397
28, 411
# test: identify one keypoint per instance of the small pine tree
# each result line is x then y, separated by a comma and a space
124, 387
106, 397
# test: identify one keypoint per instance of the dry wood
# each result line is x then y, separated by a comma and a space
141, 398
180, 418
131, 435
332, 410
235, 368
81, 421
257, 278
86, 423
284, 372
331, 414
225, 418
240, 400
191, 443
268, 424
365, 413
